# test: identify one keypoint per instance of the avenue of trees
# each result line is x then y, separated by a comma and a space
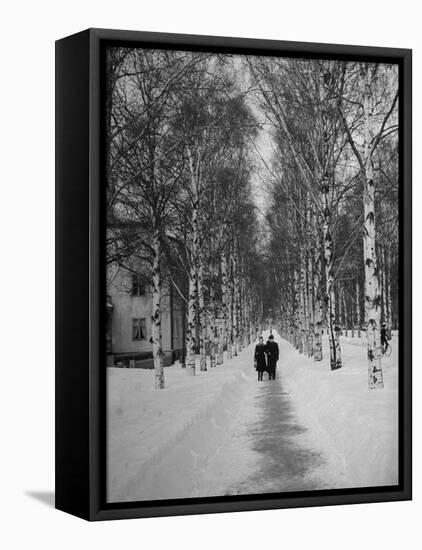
179, 195
184, 167
333, 186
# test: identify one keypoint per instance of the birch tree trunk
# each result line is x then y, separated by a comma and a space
235, 307
252, 321
298, 307
224, 306
372, 295
157, 351
318, 301
220, 353
327, 175
193, 294
229, 318
384, 313
358, 318
305, 312
239, 310
345, 312
201, 317
212, 327
183, 359
247, 315
388, 288
309, 287
333, 336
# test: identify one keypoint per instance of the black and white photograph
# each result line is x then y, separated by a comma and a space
252, 274
213, 207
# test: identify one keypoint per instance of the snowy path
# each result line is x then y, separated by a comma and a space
269, 449
223, 432
284, 462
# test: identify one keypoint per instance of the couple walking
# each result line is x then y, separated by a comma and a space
266, 357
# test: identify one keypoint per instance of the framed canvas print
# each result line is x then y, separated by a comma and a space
233, 274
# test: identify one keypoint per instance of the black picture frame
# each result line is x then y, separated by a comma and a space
80, 380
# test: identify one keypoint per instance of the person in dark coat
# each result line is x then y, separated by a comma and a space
272, 356
260, 360
384, 338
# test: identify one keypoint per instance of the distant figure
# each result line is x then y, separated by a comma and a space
384, 338
272, 356
260, 362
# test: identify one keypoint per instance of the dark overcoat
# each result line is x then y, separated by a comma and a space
272, 354
260, 361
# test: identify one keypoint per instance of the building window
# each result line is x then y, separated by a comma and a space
139, 329
138, 285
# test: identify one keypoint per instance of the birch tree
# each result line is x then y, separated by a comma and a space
368, 108
288, 89
211, 122
144, 165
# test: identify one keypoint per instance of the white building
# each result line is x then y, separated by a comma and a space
129, 307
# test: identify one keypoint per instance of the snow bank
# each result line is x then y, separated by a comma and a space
356, 427
159, 441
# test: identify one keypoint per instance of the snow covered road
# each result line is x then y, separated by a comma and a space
223, 432
272, 447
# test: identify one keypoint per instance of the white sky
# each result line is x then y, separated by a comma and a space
263, 143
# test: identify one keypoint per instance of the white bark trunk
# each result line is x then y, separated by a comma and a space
211, 334
305, 314
229, 318
372, 295
318, 302
310, 299
345, 312
235, 307
358, 317
388, 288
384, 313
201, 317
224, 307
327, 176
298, 307
333, 334
193, 294
157, 351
